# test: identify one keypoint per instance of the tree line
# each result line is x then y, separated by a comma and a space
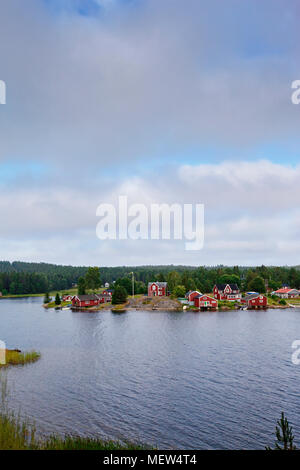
30, 278
36, 278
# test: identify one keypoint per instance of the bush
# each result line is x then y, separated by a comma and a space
119, 295
282, 302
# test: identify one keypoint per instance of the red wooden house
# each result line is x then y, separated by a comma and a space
104, 297
255, 301
227, 292
67, 298
191, 294
107, 292
157, 289
85, 300
205, 301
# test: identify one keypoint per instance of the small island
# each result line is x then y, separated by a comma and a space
15, 357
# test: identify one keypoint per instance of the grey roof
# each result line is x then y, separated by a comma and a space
251, 296
232, 286
191, 291
87, 297
160, 284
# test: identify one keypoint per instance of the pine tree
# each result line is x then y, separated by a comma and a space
119, 295
81, 286
46, 298
57, 299
284, 435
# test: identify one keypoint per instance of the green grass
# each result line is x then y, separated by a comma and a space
14, 358
17, 433
53, 304
85, 443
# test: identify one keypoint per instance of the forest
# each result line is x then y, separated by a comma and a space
32, 278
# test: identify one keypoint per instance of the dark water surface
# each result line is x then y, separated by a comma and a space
176, 380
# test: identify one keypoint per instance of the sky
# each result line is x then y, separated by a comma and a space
162, 101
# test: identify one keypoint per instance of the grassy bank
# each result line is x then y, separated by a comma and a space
17, 433
14, 358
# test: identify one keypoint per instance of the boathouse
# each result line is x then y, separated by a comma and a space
255, 301
85, 300
205, 301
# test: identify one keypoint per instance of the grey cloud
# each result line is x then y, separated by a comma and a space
146, 81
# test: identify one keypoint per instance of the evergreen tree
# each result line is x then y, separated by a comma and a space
46, 298
92, 278
257, 284
119, 295
57, 299
284, 435
173, 279
81, 286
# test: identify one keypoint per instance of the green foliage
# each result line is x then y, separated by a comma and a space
14, 357
81, 286
125, 282
47, 298
32, 278
257, 284
173, 279
282, 302
19, 278
284, 435
92, 278
230, 279
179, 291
57, 299
119, 295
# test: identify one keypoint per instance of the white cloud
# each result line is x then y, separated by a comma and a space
137, 85
251, 226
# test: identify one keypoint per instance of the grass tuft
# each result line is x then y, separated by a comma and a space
15, 358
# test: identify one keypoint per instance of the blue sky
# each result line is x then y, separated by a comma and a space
129, 96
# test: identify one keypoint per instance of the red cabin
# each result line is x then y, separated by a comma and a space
191, 294
255, 301
205, 301
103, 298
157, 289
85, 300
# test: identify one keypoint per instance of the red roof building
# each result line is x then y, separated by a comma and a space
227, 292
190, 296
255, 301
85, 300
287, 293
157, 289
205, 301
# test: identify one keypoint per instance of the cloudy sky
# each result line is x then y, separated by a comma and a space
163, 101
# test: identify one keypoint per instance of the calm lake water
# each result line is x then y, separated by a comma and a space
176, 380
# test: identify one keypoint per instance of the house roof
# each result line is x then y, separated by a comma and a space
251, 296
222, 286
191, 292
204, 295
87, 297
285, 290
159, 284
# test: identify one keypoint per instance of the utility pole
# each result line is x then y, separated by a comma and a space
132, 284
